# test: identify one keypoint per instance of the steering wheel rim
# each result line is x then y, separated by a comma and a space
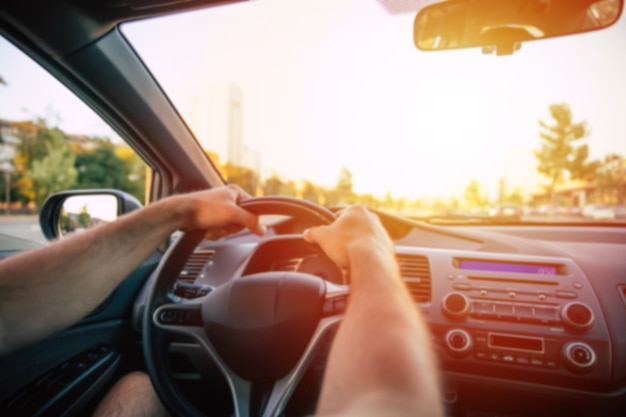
155, 333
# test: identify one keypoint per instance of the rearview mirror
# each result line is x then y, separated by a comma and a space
75, 211
501, 26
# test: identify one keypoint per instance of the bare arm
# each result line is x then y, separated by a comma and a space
381, 362
48, 289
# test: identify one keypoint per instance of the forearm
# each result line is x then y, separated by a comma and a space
50, 288
381, 360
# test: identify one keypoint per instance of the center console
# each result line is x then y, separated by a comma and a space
533, 319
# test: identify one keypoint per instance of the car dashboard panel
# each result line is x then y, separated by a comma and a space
512, 318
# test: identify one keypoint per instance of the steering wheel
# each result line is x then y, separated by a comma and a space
257, 328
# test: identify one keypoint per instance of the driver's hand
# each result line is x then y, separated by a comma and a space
217, 211
356, 228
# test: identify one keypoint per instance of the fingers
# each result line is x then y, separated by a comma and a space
312, 235
242, 216
237, 192
249, 220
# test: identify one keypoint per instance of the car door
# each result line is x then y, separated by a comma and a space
50, 141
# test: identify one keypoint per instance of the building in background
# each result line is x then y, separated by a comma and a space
217, 120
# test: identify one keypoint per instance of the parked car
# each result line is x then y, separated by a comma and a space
620, 212
506, 212
527, 320
598, 212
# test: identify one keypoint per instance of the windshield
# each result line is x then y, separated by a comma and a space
330, 100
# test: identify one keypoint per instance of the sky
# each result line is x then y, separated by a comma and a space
333, 83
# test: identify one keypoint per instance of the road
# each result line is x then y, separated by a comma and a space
27, 227
24, 227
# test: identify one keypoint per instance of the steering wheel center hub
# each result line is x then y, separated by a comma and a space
261, 324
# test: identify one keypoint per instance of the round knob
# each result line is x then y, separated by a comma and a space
579, 356
458, 342
455, 305
577, 316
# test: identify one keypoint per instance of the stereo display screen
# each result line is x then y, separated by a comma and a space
515, 342
537, 269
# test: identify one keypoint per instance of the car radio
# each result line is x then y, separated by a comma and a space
538, 314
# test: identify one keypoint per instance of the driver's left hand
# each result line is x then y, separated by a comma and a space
217, 211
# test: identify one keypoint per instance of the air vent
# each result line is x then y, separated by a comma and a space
415, 272
194, 266
290, 265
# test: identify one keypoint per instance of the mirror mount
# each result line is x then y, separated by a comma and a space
52, 213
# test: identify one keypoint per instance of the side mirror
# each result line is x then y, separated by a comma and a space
74, 211
501, 26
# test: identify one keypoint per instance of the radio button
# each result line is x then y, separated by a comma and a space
552, 364
566, 294
508, 358
462, 286
577, 316
482, 355
579, 356
522, 360
524, 313
545, 314
504, 310
455, 305
483, 309
481, 340
458, 342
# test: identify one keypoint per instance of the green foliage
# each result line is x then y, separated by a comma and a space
101, 168
15, 194
84, 218
515, 197
611, 179
276, 186
55, 171
47, 161
244, 177
561, 155
311, 192
473, 195
343, 189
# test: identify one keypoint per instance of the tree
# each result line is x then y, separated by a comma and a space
246, 178
55, 171
611, 178
136, 168
84, 218
34, 137
310, 192
274, 185
473, 195
515, 197
560, 154
343, 189
101, 168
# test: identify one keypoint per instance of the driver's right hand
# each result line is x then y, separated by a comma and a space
356, 229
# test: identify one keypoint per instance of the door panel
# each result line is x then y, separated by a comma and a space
62, 373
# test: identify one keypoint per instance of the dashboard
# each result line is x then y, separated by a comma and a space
523, 325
